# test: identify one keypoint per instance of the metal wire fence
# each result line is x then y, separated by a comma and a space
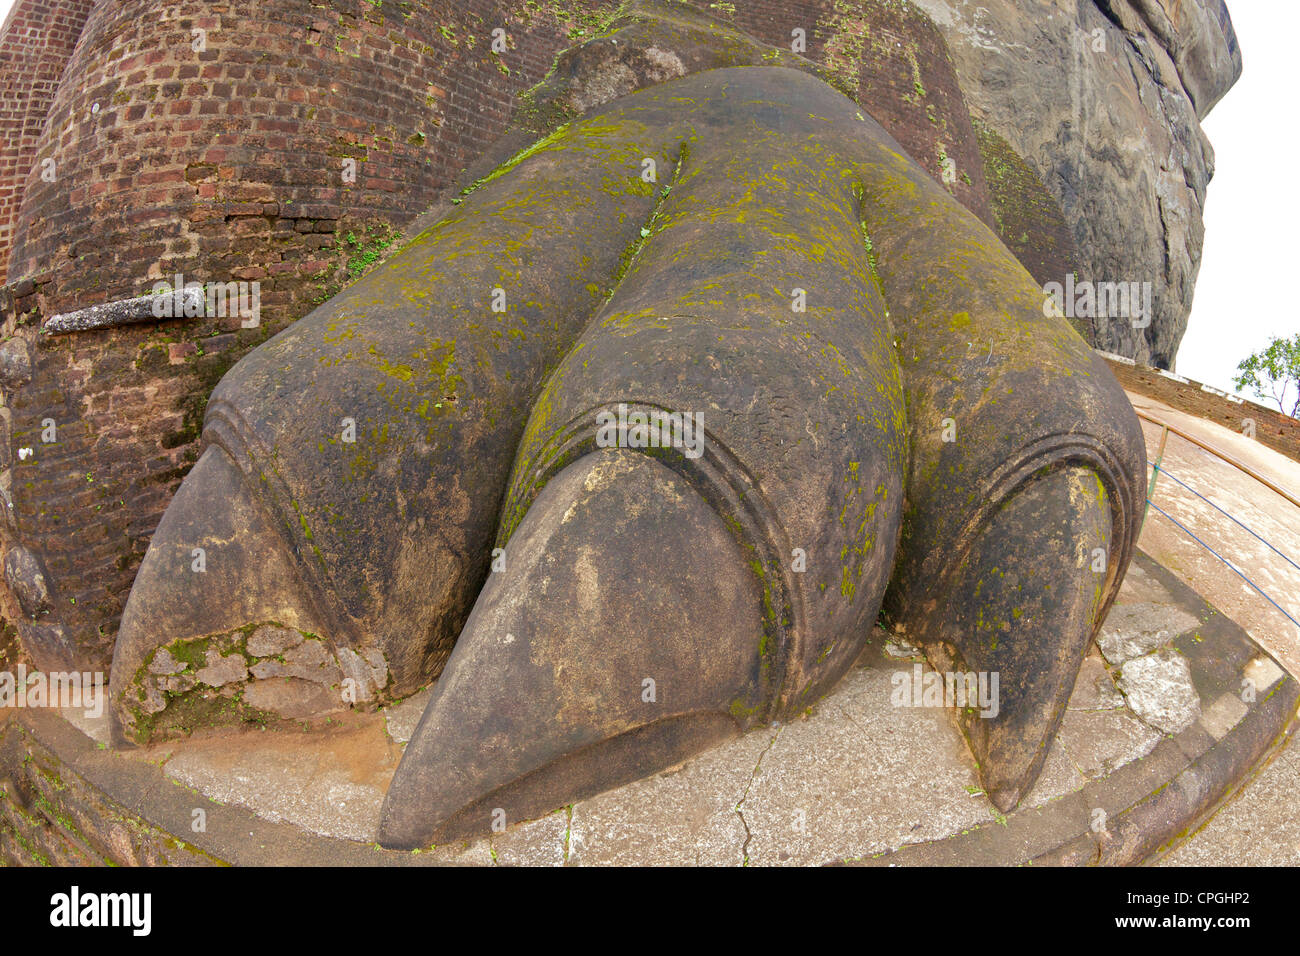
1158, 469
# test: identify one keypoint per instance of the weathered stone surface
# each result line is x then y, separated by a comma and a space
1259, 827
49, 645
25, 575
290, 697
900, 649
248, 579
1141, 587
1100, 742
834, 788
684, 816
177, 683
311, 660
1133, 630
374, 659
401, 718
369, 674
163, 663
1263, 672
335, 791
1059, 777
1159, 689
355, 669
15, 363
1095, 689
541, 842
152, 699
1198, 37
269, 640
7, 506
1222, 715
1109, 116
222, 669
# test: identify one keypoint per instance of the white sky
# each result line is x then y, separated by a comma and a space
1251, 211
1250, 256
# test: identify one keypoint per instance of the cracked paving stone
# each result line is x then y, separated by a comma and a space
1059, 777
859, 777
684, 816
1159, 689
1133, 630
1094, 688
1100, 742
535, 843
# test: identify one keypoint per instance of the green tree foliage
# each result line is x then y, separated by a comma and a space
1271, 373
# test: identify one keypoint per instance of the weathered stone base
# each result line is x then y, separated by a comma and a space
856, 781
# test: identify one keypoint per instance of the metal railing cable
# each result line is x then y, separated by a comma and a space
1217, 453
1187, 531
1232, 517
1158, 469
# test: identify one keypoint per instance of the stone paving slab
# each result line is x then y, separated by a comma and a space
1128, 814
1259, 826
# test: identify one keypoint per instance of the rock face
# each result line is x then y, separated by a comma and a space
1104, 99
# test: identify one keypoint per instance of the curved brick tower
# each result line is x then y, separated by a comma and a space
35, 43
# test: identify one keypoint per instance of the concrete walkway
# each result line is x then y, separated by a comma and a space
1268, 514
1261, 824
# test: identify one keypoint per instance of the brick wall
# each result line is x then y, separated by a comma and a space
35, 43
1272, 428
227, 160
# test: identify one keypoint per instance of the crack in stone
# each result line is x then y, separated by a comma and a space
744, 848
633, 251
849, 717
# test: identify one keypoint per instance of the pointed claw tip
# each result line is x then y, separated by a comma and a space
1006, 798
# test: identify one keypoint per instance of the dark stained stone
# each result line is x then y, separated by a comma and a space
26, 578
15, 363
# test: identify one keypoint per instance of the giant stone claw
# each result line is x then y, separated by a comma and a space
724, 420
